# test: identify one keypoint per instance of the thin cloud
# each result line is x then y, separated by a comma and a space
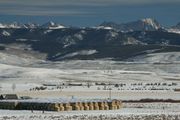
42, 12
20, 8
86, 2
67, 7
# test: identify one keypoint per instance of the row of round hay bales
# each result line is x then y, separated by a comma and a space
93, 105
68, 106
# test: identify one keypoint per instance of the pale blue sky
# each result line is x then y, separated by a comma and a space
89, 12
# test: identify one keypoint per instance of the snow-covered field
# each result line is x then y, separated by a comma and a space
173, 57
154, 76
126, 80
137, 77
122, 114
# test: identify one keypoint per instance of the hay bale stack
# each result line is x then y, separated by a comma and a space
119, 104
96, 106
56, 107
86, 107
53, 107
81, 106
75, 106
112, 105
91, 106
67, 107
106, 107
61, 107
101, 105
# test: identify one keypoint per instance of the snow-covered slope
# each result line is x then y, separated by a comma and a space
168, 57
103, 27
174, 30
31, 25
82, 52
10, 59
5, 33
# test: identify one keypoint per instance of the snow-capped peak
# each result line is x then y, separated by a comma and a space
151, 23
148, 20
52, 25
49, 25
2, 25
103, 27
15, 25
31, 25
12, 25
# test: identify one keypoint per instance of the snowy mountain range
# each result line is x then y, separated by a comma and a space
48, 25
108, 40
147, 24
